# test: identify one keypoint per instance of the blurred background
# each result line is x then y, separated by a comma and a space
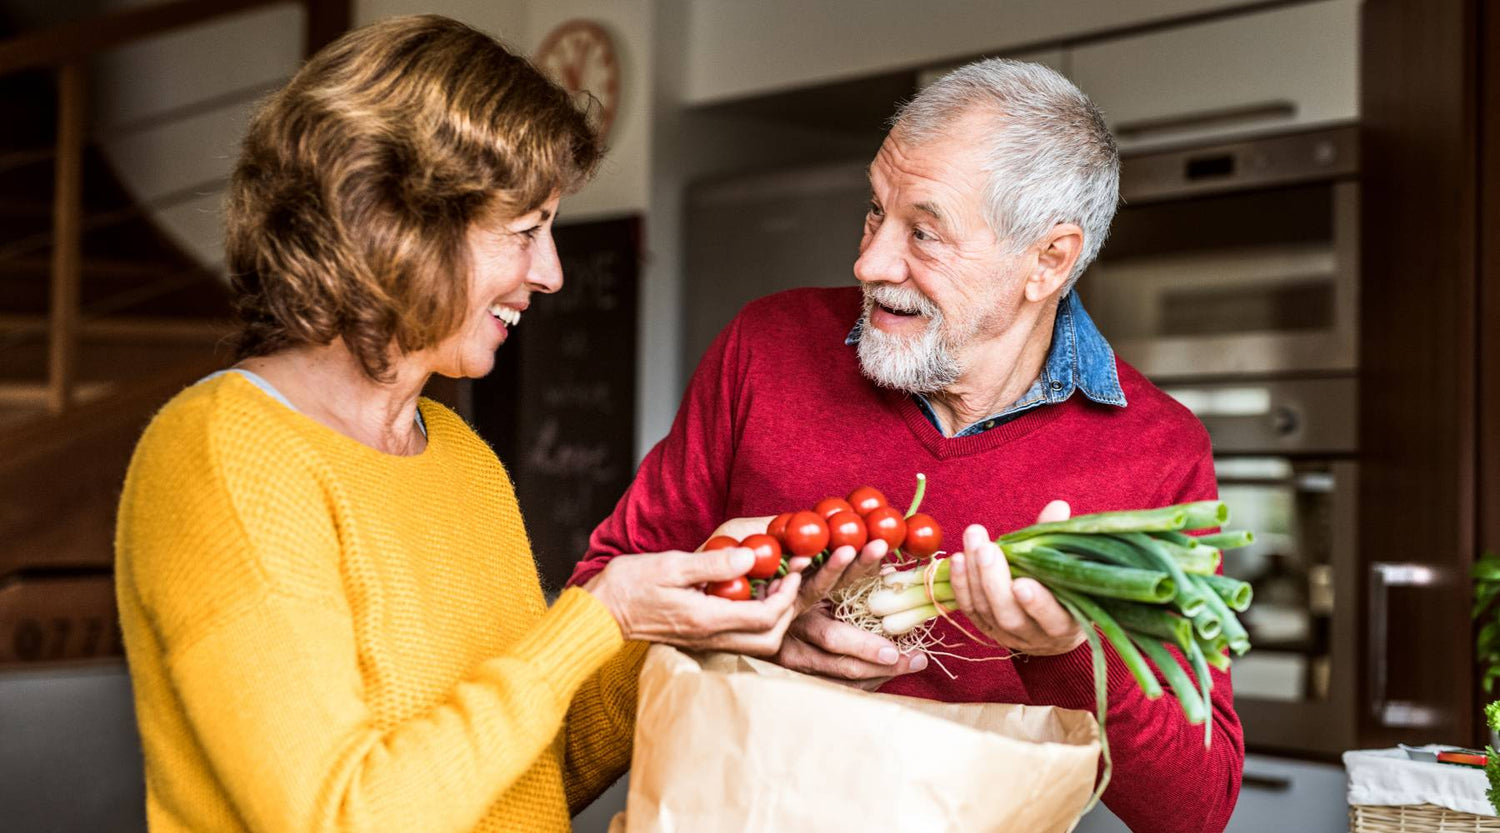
1305, 257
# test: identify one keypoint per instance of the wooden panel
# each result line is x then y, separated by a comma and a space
67, 233
60, 478
1417, 354
58, 615
1489, 284
326, 20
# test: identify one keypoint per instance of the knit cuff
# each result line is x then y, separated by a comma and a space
1067, 680
572, 641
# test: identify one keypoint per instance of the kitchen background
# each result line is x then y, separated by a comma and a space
1301, 259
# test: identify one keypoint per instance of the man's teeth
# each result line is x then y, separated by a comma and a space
510, 315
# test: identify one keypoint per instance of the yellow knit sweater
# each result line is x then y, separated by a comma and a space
326, 637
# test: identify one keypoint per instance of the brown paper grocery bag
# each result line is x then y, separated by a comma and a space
729, 743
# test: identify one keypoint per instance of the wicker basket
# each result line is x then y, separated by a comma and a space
1417, 818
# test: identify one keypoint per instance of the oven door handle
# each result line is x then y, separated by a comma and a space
1383, 576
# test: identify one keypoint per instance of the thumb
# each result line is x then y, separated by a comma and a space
715, 565
1057, 510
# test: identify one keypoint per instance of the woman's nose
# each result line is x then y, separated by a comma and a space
546, 269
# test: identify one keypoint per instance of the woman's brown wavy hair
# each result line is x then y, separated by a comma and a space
349, 209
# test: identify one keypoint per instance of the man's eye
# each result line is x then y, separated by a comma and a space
874, 210
922, 234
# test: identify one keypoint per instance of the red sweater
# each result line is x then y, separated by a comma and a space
778, 416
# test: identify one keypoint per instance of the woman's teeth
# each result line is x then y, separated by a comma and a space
509, 315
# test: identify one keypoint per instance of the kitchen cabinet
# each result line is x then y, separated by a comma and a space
1270, 71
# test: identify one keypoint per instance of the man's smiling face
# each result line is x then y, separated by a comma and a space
937, 281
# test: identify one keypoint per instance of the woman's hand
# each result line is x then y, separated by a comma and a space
1020, 614
656, 598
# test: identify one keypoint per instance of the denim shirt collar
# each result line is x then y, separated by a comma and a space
1079, 359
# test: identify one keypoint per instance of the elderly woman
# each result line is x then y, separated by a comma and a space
330, 606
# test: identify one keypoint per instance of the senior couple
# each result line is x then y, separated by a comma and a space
330, 608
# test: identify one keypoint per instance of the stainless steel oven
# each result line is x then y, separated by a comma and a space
1231, 280
1284, 455
1235, 259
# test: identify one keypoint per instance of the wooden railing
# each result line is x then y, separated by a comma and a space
66, 49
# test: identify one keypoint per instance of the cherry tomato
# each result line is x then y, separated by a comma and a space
923, 536
829, 506
777, 529
866, 499
806, 533
720, 542
887, 524
767, 555
735, 589
846, 529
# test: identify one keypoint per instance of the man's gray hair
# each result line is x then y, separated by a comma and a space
1050, 158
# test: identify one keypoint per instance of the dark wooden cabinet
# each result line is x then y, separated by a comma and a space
1428, 357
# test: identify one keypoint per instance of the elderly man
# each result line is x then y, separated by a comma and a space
969, 359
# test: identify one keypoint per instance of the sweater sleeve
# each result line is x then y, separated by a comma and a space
249, 608
600, 727
1156, 752
679, 494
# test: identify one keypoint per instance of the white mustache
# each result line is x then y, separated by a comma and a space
901, 300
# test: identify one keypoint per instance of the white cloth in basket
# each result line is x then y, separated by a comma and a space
1388, 778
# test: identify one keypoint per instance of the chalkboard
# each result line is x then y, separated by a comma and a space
560, 406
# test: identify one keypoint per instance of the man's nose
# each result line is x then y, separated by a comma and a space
881, 260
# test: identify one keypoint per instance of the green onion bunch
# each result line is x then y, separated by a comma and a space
1135, 579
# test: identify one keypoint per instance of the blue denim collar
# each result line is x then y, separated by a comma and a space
1079, 359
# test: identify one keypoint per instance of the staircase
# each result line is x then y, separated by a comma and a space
103, 317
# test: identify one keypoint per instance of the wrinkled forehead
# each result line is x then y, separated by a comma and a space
943, 176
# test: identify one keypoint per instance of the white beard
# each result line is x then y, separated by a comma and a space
923, 364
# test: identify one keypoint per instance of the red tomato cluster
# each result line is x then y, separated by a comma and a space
834, 522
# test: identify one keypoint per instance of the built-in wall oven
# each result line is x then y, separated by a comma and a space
1231, 280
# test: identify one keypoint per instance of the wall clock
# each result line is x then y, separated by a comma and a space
580, 55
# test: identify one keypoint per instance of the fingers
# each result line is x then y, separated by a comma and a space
690, 568
1020, 614
802, 656
821, 582
1057, 510
1043, 608
989, 578
866, 564
871, 654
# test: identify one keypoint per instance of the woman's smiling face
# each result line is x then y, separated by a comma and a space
509, 259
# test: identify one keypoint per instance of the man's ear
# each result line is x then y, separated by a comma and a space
1056, 255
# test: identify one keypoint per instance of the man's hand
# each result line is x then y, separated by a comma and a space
818, 644
821, 645
1020, 614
